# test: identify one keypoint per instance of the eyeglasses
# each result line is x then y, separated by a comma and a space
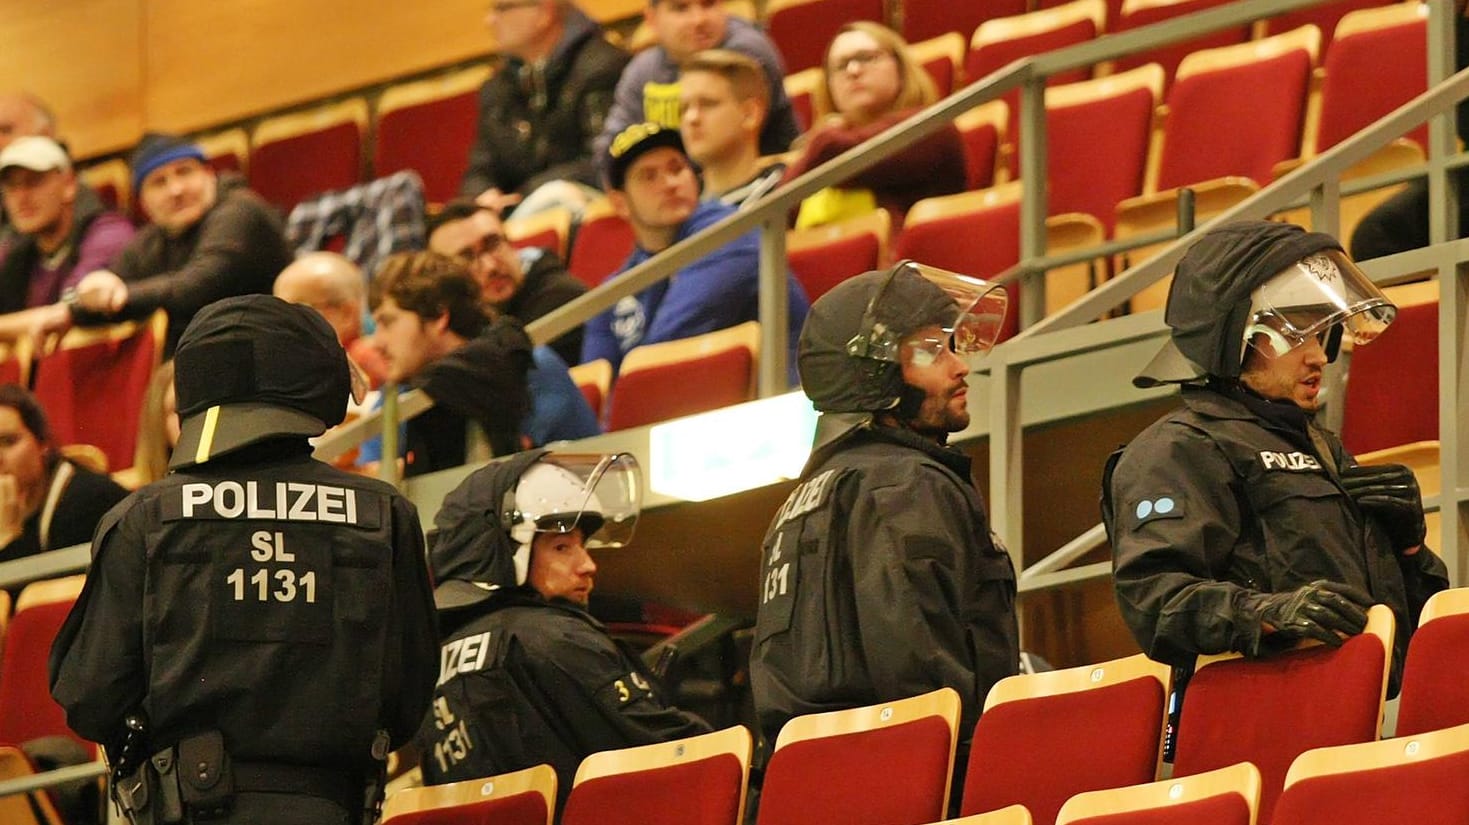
861, 59
924, 351
488, 245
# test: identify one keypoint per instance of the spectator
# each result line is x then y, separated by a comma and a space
542, 110
871, 83
334, 286
208, 238
21, 115
435, 334
46, 502
158, 432
549, 685
649, 92
60, 235
652, 184
525, 284
725, 97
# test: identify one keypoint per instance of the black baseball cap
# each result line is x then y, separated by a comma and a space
255, 367
634, 142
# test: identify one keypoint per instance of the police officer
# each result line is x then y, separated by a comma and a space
527, 676
1237, 522
267, 617
880, 578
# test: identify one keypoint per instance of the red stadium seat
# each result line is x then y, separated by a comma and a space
1270, 710
691, 375
226, 151
25, 692
699, 780
823, 256
883, 763
923, 19
1228, 796
1417, 779
428, 126
301, 155
1391, 396
550, 229
1357, 85
802, 29
1044, 737
1435, 693
34, 808
111, 180
943, 58
1135, 14
983, 130
594, 379
526, 797
603, 241
799, 87
1324, 17
92, 383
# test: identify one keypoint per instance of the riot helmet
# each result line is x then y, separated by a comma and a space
488, 524
849, 354
1245, 277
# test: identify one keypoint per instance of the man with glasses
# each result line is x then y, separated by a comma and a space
880, 578
541, 111
1237, 522
524, 284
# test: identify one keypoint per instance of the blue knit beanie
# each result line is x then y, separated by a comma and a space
157, 149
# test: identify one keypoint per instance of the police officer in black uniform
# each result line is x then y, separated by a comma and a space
527, 676
880, 577
261, 622
1237, 523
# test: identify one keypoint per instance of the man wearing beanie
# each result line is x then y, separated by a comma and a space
207, 238
1237, 522
652, 184
257, 630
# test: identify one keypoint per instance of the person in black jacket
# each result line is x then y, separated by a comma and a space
880, 577
46, 501
267, 619
527, 676
541, 111
208, 238
1237, 522
522, 283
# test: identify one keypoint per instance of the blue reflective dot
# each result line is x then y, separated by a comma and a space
1164, 505
1144, 509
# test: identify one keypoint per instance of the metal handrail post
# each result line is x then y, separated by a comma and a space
1034, 198
774, 306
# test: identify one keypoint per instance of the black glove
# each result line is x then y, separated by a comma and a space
1319, 610
1389, 493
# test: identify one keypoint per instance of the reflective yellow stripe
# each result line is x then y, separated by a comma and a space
206, 437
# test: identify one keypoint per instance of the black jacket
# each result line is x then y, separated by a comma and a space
880, 580
537, 121
527, 681
1249, 505
237, 248
547, 286
296, 628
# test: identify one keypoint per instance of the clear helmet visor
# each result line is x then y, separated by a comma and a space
1310, 299
970, 317
601, 495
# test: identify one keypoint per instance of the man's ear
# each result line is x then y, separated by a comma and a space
438, 325
753, 115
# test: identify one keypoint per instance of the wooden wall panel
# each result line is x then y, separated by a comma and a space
82, 57
215, 62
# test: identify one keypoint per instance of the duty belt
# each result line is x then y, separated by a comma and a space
339, 786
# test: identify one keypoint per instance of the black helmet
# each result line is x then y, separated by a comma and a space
848, 352
1209, 301
254, 367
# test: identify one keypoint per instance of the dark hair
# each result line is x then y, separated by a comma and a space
429, 285
455, 210
26, 406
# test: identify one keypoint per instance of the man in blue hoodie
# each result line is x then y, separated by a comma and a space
652, 184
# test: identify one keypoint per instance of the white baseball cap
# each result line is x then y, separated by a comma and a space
38, 154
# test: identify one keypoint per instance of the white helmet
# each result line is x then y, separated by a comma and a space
1319, 296
597, 494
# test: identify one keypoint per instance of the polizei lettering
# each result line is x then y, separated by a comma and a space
1295, 462
465, 655
277, 501
804, 498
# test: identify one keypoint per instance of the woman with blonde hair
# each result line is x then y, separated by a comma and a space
871, 81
